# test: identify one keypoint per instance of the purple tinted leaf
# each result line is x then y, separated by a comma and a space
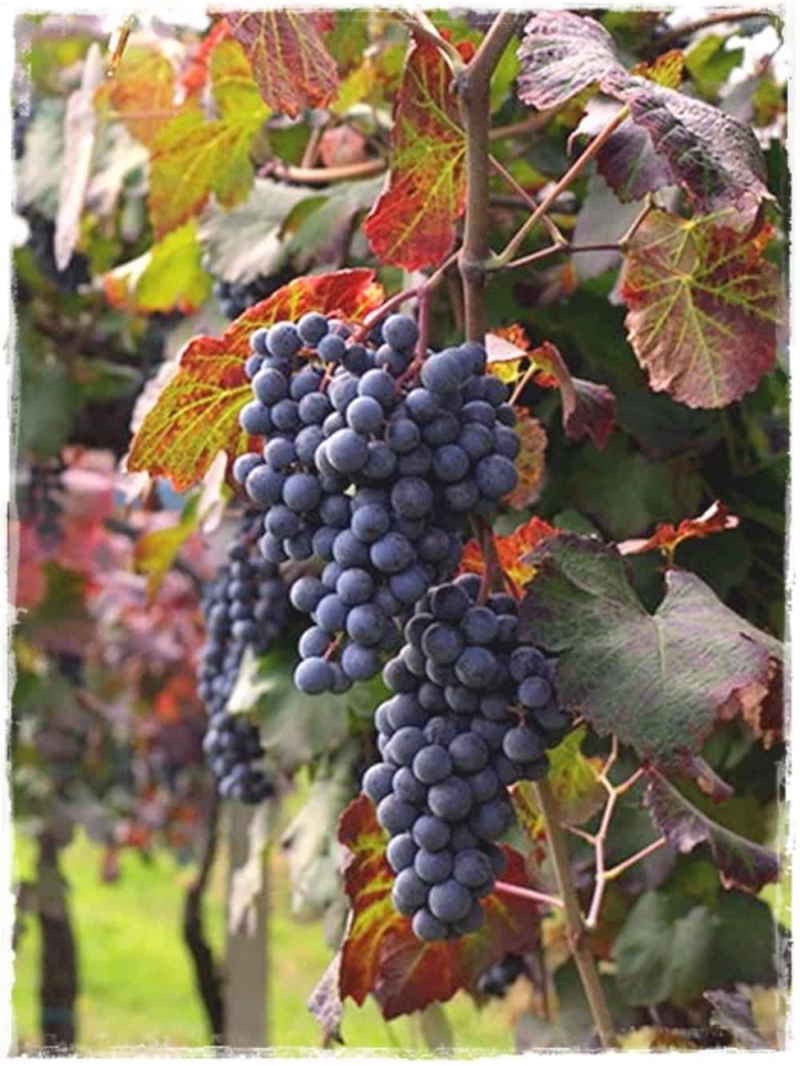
562, 54
713, 156
656, 681
741, 863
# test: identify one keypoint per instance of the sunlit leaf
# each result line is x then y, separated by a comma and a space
290, 62
413, 223
380, 954
197, 413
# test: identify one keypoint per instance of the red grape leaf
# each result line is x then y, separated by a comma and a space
714, 156
141, 92
381, 955
191, 158
511, 551
741, 863
658, 681
412, 225
703, 308
587, 409
667, 536
197, 414
291, 65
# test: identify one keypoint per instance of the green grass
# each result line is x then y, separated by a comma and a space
137, 985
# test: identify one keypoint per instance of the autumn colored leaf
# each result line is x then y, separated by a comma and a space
667, 536
141, 92
167, 277
666, 69
380, 954
760, 705
530, 462
703, 308
508, 354
197, 414
741, 863
656, 680
192, 158
291, 65
412, 225
511, 551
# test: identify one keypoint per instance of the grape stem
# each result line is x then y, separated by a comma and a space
598, 840
527, 893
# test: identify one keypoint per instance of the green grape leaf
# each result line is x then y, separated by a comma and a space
657, 681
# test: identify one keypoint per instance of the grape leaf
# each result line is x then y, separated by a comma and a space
380, 954
573, 777
512, 551
412, 225
141, 92
245, 242
588, 409
291, 65
712, 155
658, 680
191, 158
167, 276
156, 550
716, 519
197, 413
561, 55
741, 863
734, 1011
530, 462
703, 308
761, 706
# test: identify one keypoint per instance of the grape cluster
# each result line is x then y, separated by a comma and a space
473, 711
372, 462
246, 605
234, 297
497, 980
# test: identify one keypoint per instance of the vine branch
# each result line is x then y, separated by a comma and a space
576, 932
473, 88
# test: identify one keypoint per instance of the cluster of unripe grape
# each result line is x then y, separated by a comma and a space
473, 711
246, 605
372, 461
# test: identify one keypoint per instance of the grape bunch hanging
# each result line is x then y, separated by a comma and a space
246, 605
372, 462
473, 711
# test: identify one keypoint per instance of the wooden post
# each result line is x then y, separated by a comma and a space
246, 947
